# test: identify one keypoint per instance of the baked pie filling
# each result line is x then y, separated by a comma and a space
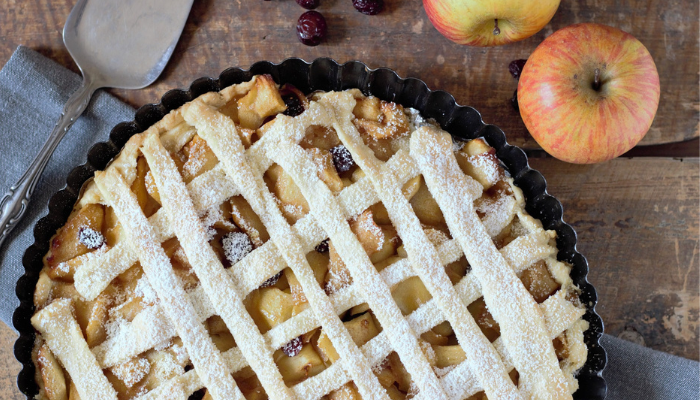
258, 243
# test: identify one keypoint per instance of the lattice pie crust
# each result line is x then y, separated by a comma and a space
256, 243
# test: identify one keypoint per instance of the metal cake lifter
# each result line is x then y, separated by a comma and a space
116, 43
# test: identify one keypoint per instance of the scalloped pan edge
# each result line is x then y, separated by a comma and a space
463, 122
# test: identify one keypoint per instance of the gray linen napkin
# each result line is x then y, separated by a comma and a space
33, 90
635, 372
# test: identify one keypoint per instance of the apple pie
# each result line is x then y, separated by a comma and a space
260, 243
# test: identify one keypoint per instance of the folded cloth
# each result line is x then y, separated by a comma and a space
33, 90
636, 372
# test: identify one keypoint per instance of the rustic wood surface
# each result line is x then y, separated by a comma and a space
9, 366
637, 222
637, 219
225, 33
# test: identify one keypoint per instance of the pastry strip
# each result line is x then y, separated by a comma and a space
133, 341
210, 189
221, 134
522, 324
148, 329
458, 383
92, 277
307, 232
217, 283
297, 163
62, 333
484, 360
328, 380
174, 300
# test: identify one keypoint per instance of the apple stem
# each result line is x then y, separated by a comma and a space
496, 29
596, 79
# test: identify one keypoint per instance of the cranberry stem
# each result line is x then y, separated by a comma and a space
496, 29
596, 79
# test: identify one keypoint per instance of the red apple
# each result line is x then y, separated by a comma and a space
489, 22
589, 93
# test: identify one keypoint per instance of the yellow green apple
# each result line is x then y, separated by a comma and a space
489, 22
588, 93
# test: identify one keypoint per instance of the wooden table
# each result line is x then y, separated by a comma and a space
637, 218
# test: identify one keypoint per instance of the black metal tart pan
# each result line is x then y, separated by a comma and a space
325, 74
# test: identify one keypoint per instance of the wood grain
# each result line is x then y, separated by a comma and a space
224, 33
637, 223
9, 366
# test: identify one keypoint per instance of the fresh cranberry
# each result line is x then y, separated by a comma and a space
369, 7
309, 4
516, 68
311, 28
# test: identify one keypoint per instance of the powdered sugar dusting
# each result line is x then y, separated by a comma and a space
195, 160
63, 267
379, 367
325, 209
161, 276
365, 222
212, 216
132, 371
163, 345
413, 391
91, 238
180, 353
293, 347
145, 291
425, 261
499, 213
342, 158
286, 250
339, 279
486, 164
435, 236
440, 372
63, 335
286, 241
522, 326
94, 274
236, 246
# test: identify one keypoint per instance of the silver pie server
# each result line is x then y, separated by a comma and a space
115, 43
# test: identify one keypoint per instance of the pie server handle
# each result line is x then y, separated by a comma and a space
16, 201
